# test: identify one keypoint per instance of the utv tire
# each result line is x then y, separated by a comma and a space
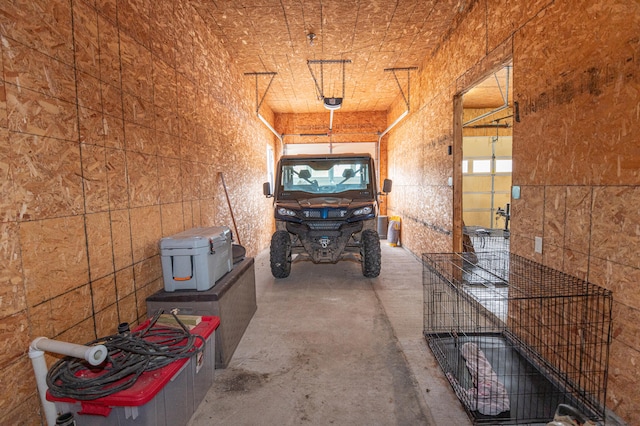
370, 252
280, 254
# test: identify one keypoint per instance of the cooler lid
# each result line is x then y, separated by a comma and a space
195, 237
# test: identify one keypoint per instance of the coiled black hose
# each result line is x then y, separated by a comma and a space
129, 355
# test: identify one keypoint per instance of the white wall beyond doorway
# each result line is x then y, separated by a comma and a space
331, 148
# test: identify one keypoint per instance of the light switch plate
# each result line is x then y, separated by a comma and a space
538, 245
515, 192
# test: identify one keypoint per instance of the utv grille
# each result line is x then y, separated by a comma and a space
325, 213
312, 214
324, 226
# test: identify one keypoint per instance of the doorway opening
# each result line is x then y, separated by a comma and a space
482, 166
486, 162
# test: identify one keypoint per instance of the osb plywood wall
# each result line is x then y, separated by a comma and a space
347, 126
116, 118
576, 149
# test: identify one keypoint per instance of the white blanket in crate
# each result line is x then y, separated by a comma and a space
489, 395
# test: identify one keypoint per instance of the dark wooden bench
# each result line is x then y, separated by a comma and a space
232, 298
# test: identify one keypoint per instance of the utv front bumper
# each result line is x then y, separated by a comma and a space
325, 241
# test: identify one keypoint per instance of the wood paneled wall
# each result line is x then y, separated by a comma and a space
116, 118
576, 148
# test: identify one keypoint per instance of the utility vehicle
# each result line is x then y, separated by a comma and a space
325, 208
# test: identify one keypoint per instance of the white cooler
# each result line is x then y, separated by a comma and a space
196, 258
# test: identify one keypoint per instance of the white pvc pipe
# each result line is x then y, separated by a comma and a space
40, 370
330, 120
397, 120
270, 127
94, 355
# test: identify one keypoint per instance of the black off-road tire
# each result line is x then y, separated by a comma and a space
280, 254
370, 252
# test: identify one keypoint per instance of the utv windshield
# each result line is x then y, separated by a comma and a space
327, 176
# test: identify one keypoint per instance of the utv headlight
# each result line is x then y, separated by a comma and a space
363, 211
285, 212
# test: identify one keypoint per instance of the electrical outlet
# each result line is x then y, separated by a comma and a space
537, 247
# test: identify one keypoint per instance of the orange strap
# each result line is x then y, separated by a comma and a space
182, 279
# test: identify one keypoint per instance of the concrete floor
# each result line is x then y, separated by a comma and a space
328, 346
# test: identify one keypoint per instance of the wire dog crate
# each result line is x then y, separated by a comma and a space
514, 349
489, 249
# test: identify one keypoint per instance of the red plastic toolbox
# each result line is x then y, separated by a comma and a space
164, 397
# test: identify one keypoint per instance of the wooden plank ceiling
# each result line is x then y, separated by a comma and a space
373, 35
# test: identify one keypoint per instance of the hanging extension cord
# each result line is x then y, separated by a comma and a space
129, 355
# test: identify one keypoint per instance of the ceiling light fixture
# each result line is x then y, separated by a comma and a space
311, 37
